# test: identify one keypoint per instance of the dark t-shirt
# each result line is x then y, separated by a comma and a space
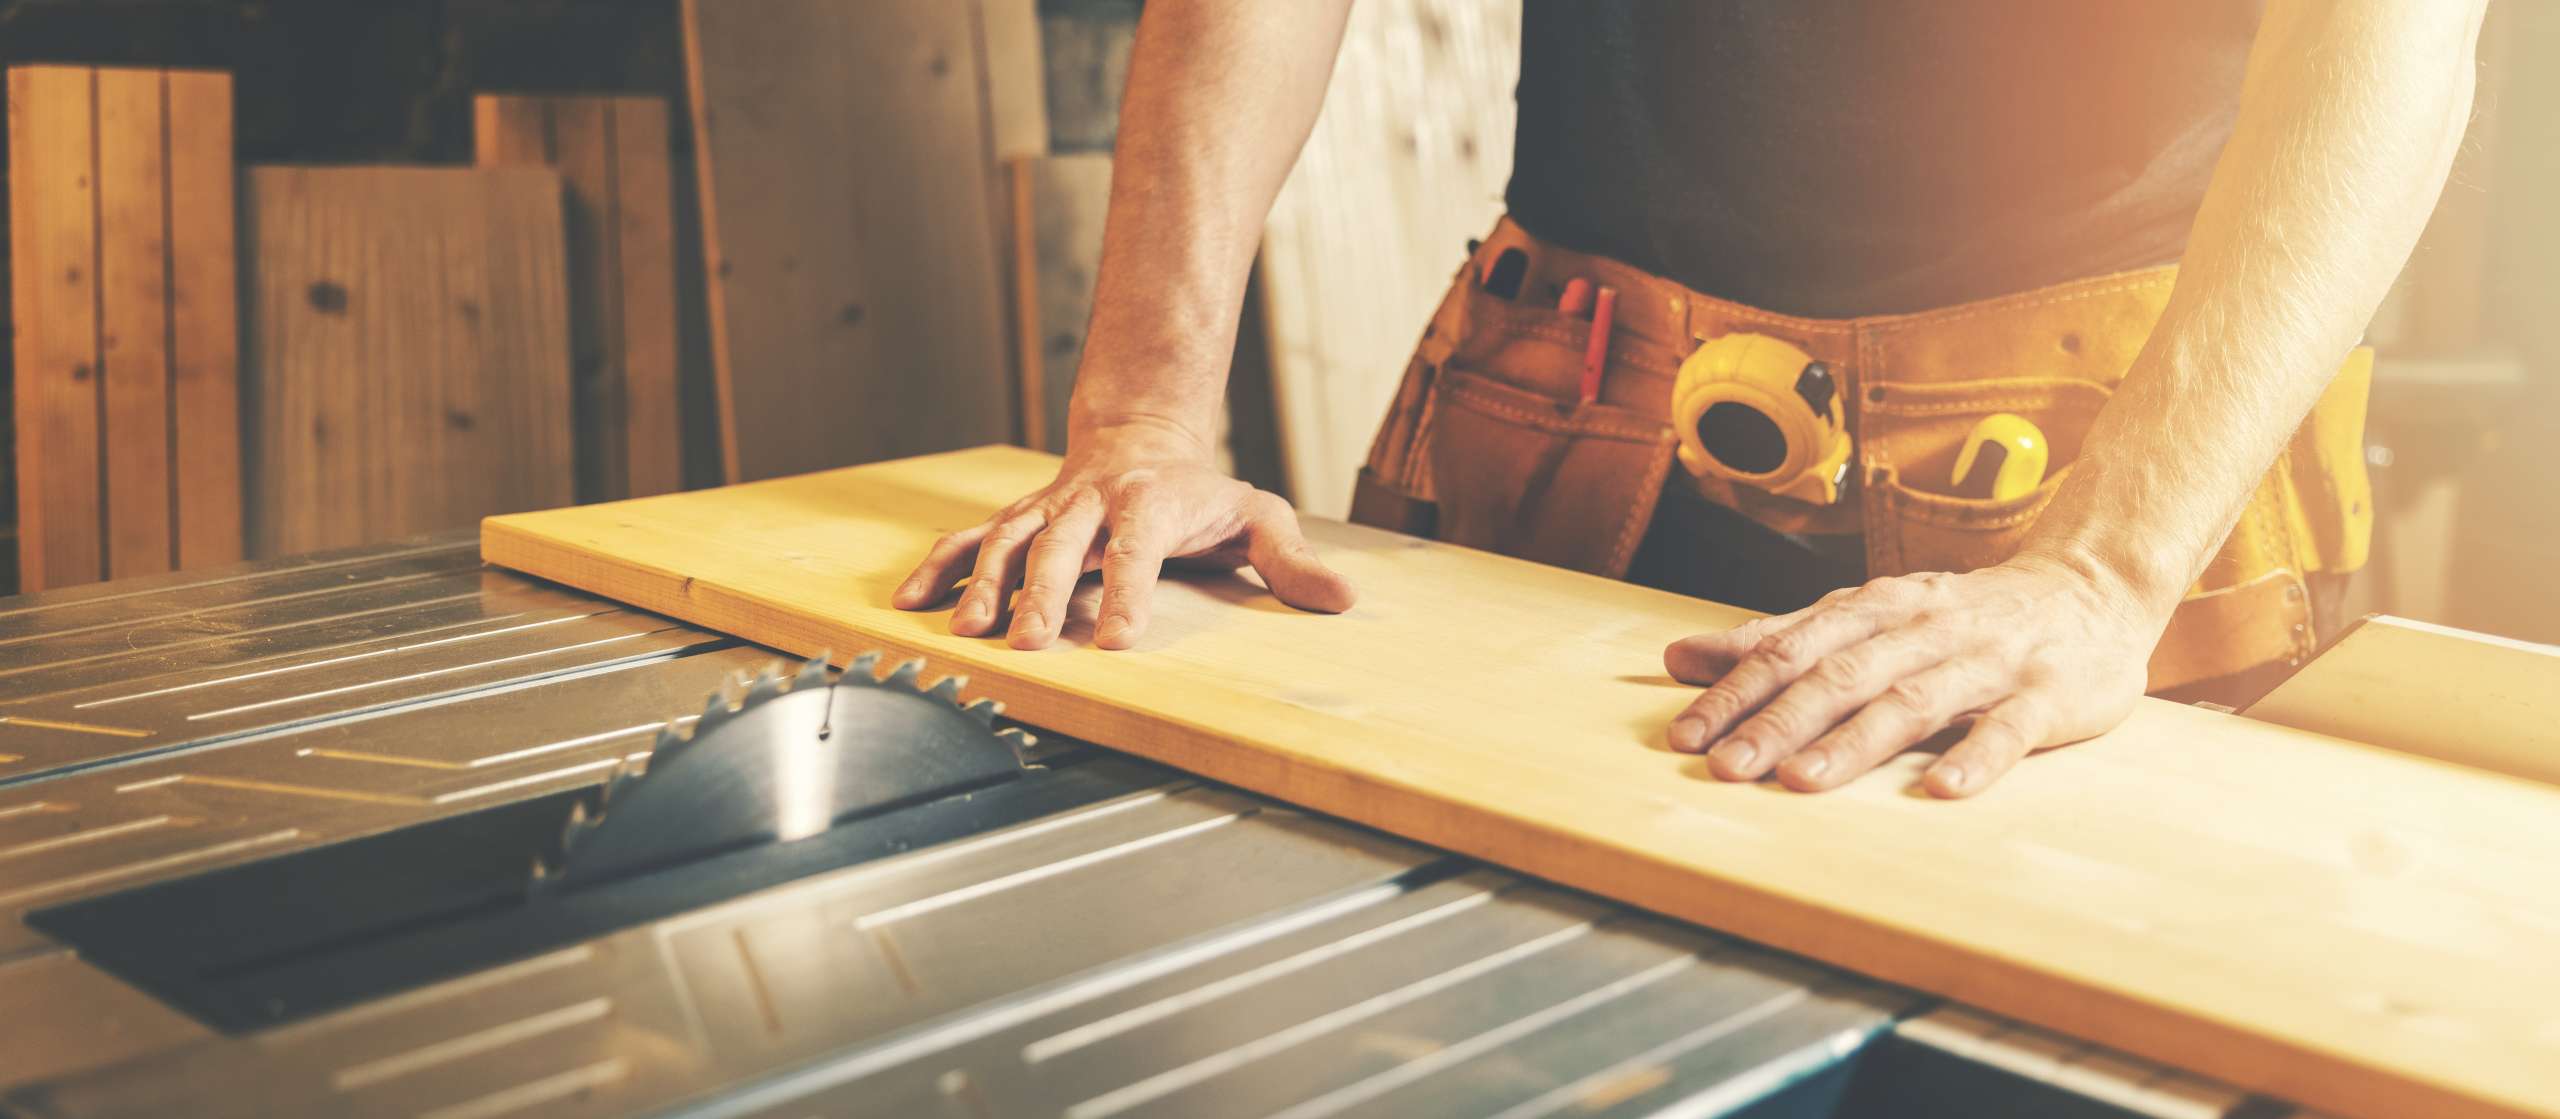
1852, 157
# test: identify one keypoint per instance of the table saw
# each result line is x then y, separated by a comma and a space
336, 835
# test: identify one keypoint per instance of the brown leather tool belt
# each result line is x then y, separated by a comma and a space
1489, 443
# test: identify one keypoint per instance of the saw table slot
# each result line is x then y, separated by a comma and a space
129, 600
334, 925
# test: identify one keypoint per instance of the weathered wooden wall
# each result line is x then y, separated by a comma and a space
1407, 163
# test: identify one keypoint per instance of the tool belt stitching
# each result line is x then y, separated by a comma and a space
1555, 422
1962, 407
1745, 314
2020, 302
1631, 534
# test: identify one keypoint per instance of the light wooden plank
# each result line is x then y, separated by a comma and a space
857, 312
133, 308
2323, 921
1406, 163
408, 344
1017, 105
645, 249
2469, 698
53, 246
613, 155
204, 319
1059, 203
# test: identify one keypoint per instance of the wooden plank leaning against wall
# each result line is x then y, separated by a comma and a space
126, 351
1406, 163
408, 349
849, 198
612, 156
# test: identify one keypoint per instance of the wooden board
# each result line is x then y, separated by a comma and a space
123, 272
1406, 163
1059, 203
849, 196
408, 349
2328, 922
1017, 103
612, 156
2470, 698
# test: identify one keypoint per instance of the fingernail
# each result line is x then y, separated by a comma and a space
1026, 623
1688, 735
1738, 757
1112, 629
1955, 778
1810, 766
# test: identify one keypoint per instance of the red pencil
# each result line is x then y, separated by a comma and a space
1595, 356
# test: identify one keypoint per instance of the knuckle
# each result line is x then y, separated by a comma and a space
1124, 547
1908, 697
1841, 670
1774, 722
1789, 651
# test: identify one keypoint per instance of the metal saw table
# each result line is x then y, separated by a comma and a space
201, 775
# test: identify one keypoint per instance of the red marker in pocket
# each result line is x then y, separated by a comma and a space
1595, 356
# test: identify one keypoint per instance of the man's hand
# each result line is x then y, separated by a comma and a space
1126, 507
2033, 653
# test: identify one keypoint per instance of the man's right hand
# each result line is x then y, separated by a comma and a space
1125, 502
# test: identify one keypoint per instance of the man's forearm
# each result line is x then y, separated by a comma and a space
1221, 97
2348, 123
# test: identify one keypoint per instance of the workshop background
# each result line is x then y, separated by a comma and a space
296, 274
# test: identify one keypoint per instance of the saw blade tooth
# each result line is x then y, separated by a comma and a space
668, 737
614, 786
985, 711
906, 674
715, 711
767, 685
866, 666
813, 673
574, 825
1021, 742
948, 690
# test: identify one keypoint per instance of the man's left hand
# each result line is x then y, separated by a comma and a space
2033, 653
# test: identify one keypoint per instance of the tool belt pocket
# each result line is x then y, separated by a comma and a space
1942, 532
1516, 472
1912, 434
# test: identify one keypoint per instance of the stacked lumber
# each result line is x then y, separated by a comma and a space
122, 274
612, 156
851, 198
408, 351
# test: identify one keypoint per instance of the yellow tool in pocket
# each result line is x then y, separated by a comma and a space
1758, 411
2004, 458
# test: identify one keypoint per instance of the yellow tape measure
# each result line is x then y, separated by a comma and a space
2003, 458
1758, 411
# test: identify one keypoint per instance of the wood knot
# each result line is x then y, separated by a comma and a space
328, 297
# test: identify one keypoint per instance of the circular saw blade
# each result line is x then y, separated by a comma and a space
789, 759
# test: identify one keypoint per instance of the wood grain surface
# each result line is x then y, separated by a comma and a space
204, 319
613, 158
53, 268
1406, 163
409, 351
1058, 206
849, 195
2328, 922
123, 273
2468, 698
